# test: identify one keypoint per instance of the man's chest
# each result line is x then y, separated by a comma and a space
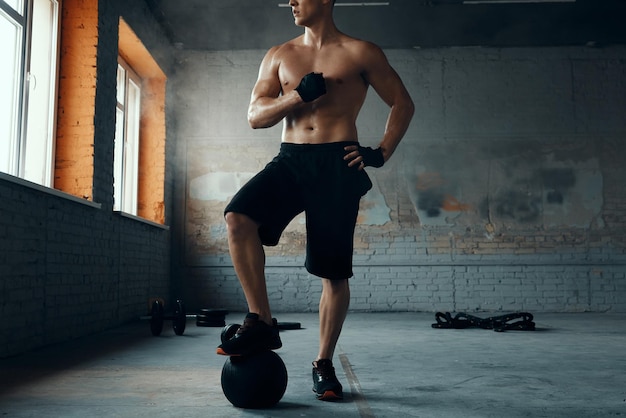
335, 68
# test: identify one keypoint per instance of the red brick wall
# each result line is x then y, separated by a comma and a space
77, 92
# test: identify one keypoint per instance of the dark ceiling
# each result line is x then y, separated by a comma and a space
260, 24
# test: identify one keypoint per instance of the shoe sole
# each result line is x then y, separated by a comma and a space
329, 395
220, 351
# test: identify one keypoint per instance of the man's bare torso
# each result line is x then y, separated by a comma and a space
332, 117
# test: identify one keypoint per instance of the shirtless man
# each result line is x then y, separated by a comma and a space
316, 84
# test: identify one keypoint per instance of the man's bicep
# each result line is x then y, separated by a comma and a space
265, 88
268, 83
384, 79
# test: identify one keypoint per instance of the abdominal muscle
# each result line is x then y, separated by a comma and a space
321, 123
317, 131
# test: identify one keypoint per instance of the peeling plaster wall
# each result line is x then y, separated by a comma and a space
506, 193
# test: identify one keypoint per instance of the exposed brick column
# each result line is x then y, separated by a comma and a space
74, 164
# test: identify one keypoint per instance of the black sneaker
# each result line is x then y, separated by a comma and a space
325, 383
253, 336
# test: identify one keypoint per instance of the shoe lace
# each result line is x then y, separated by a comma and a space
247, 324
325, 371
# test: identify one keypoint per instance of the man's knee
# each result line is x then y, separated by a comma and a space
336, 286
239, 224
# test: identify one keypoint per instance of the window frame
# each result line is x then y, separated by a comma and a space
20, 20
153, 132
126, 193
23, 147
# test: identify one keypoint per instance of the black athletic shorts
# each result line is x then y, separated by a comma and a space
313, 178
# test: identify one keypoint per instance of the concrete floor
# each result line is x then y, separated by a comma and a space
391, 365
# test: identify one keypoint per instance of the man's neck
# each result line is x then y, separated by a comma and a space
320, 34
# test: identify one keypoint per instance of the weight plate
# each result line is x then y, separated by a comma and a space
214, 312
209, 320
210, 323
204, 317
179, 320
156, 321
289, 325
228, 332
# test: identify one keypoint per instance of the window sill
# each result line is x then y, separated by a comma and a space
48, 190
143, 220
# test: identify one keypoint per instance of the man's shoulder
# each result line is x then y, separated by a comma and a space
364, 45
290, 44
278, 52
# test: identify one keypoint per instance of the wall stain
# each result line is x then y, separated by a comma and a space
524, 207
557, 181
432, 197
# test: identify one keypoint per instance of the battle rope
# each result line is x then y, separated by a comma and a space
497, 323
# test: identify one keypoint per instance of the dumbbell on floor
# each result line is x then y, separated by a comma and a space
178, 318
211, 318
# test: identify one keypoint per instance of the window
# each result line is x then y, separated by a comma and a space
29, 45
140, 78
127, 122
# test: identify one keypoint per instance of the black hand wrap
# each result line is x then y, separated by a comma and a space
311, 87
372, 157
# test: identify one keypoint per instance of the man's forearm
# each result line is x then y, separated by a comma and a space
397, 124
266, 112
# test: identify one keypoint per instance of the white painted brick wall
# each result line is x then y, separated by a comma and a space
459, 288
